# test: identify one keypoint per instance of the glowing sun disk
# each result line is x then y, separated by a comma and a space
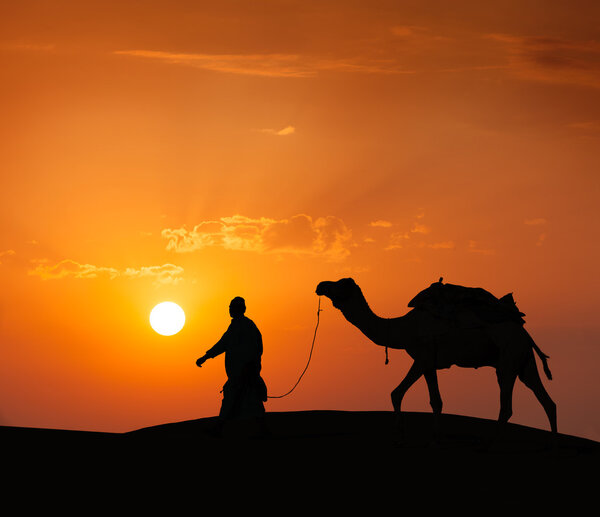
167, 318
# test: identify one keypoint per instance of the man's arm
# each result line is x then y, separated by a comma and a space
200, 361
216, 350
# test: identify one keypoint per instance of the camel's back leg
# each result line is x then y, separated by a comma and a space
506, 381
531, 378
435, 399
413, 375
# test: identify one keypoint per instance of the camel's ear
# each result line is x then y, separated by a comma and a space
348, 281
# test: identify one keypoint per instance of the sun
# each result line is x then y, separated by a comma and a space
167, 318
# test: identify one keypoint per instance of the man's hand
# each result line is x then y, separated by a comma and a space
200, 361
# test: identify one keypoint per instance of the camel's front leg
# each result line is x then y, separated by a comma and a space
413, 375
506, 381
435, 400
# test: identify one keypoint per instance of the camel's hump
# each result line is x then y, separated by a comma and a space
440, 293
474, 304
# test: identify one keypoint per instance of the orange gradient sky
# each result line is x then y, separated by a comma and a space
196, 151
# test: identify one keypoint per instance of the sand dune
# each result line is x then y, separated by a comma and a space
328, 451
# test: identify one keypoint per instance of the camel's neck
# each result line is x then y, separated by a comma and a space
382, 331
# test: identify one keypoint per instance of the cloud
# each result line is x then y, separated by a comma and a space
288, 130
6, 253
420, 228
538, 221
26, 46
165, 274
475, 248
541, 239
408, 31
592, 126
535, 222
402, 240
300, 234
446, 245
381, 224
415, 237
419, 38
397, 241
554, 60
70, 268
269, 65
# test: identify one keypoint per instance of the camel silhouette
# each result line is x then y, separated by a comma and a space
451, 325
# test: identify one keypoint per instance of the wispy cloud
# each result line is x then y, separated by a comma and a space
6, 253
446, 245
27, 46
397, 241
554, 60
272, 65
288, 130
165, 274
327, 237
408, 31
403, 240
71, 268
420, 228
409, 238
269, 65
537, 221
589, 129
420, 37
589, 125
381, 224
541, 239
475, 247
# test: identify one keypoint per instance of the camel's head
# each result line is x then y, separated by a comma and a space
338, 292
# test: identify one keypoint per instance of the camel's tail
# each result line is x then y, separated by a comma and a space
543, 357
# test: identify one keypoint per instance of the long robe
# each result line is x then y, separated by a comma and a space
245, 391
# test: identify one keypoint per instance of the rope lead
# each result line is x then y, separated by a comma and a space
309, 356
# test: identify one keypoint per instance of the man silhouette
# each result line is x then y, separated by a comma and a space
245, 391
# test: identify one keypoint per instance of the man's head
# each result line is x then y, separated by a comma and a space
237, 307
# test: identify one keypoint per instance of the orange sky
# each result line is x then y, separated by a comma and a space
193, 152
